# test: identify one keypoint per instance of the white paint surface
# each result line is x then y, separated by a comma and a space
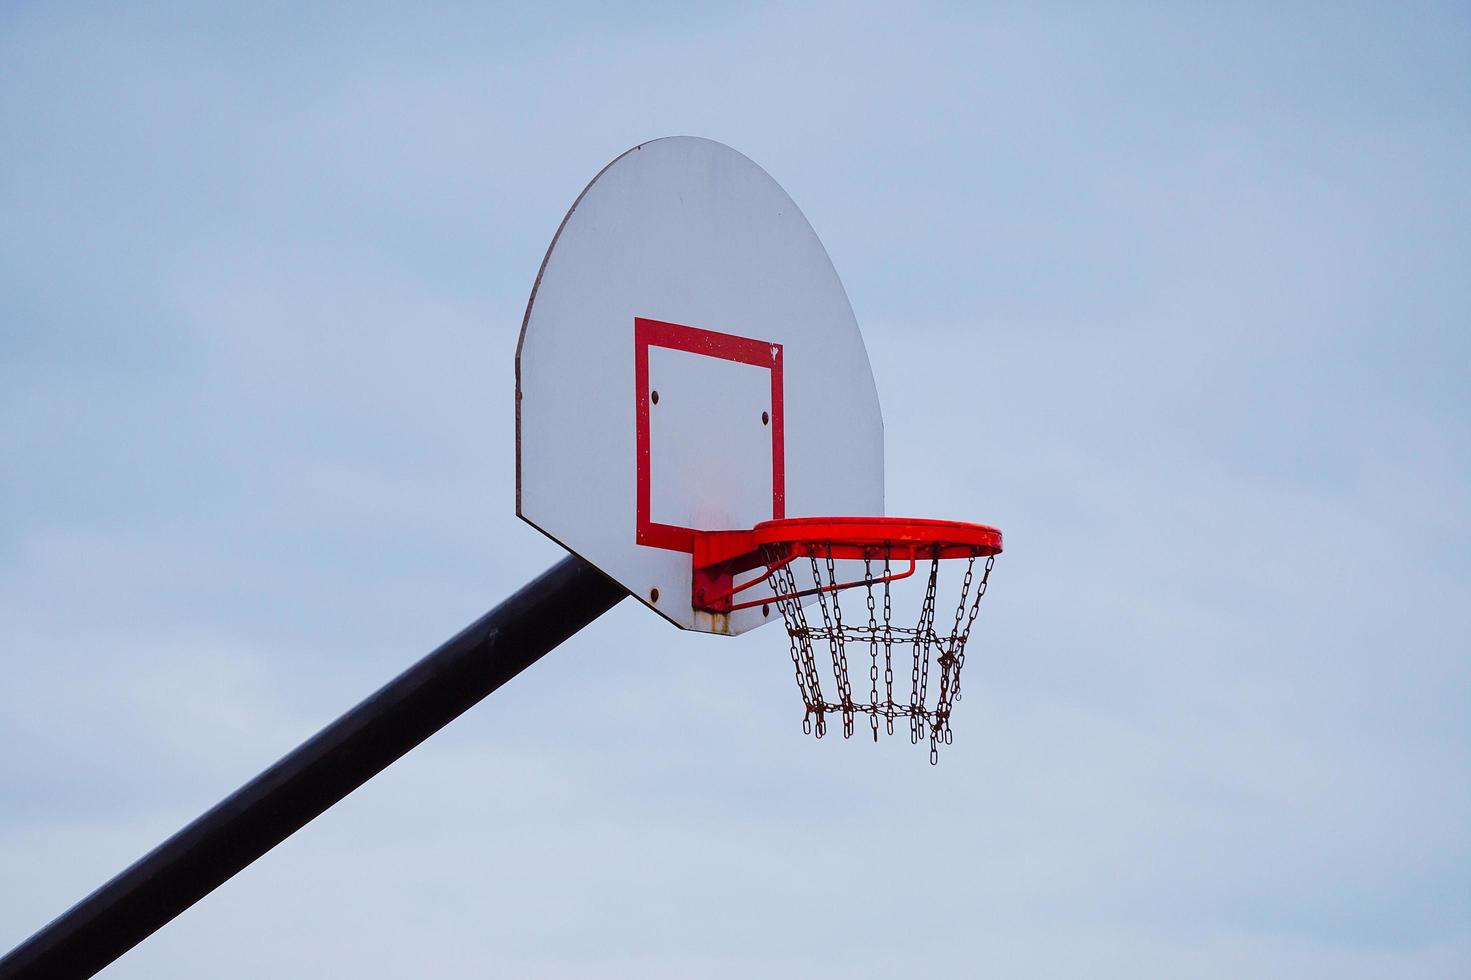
710, 453
687, 231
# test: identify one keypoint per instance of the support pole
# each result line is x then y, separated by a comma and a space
321, 771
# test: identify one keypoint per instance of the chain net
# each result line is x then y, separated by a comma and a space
822, 640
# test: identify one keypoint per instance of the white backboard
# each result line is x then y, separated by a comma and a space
688, 360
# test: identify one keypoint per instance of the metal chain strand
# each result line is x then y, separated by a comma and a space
928, 720
922, 658
888, 649
784, 583
949, 657
970, 570
873, 649
970, 620
841, 648
919, 653
833, 639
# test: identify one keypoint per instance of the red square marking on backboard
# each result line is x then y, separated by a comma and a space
744, 350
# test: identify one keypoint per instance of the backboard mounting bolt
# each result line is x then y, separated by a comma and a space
653, 595
765, 418
654, 396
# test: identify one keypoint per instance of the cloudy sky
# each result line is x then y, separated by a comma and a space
1178, 300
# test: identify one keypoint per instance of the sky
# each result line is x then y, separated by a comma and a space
1176, 297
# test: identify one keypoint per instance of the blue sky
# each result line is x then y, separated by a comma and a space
1178, 299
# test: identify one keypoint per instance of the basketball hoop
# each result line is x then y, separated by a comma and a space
718, 379
864, 555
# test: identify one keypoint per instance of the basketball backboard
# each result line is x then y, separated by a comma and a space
688, 362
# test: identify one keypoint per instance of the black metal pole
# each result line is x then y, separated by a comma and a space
321, 771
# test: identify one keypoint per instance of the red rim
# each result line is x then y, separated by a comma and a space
873, 537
